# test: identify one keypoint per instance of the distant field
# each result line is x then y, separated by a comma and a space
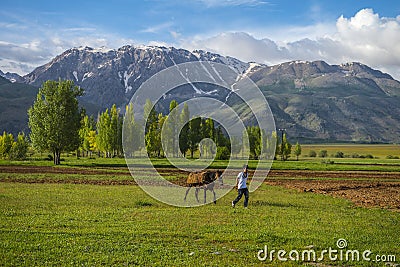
380, 151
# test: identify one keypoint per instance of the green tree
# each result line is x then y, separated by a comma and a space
323, 154
87, 125
254, 134
194, 134
19, 148
104, 134
133, 133
312, 154
297, 150
236, 145
6, 143
92, 141
285, 148
173, 121
207, 131
184, 134
55, 118
152, 136
115, 131
222, 153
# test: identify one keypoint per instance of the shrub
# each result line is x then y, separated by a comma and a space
369, 156
339, 154
323, 154
312, 154
392, 157
328, 161
222, 153
19, 148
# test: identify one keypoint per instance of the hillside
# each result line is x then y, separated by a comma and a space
15, 100
317, 101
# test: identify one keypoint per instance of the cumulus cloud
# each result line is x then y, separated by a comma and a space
366, 38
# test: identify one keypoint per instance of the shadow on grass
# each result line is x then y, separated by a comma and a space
272, 204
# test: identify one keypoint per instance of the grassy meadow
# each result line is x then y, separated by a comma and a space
59, 222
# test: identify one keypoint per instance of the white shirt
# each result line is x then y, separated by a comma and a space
242, 180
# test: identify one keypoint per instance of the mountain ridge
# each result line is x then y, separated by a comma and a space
311, 99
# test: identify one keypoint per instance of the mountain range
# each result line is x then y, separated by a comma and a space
313, 101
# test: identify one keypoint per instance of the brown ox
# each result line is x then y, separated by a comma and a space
203, 180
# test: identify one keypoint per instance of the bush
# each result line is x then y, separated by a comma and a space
222, 153
339, 154
312, 154
323, 154
328, 161
392, 157
19, 148
369, 156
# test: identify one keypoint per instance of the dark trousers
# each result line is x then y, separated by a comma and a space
242, 191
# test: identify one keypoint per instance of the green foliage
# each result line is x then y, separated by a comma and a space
154, 124
184, 134
133, 132
254, 135
6, 143
392, 157
236, 145
85, 133
222, 153
312, 154
323, 154
109, 132
339, 154
19, 148
297, 150
55, 119
194, 134
285, 148
103, 133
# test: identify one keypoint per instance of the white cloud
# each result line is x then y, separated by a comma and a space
366, 38
157, 28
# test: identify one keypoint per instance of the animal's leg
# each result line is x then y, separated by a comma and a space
205, 194
215, 197
187, 191
196, 193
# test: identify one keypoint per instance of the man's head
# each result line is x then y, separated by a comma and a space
245, 167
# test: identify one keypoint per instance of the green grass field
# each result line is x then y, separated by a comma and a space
89, 225
58, 223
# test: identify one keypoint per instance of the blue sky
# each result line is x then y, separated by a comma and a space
269, 32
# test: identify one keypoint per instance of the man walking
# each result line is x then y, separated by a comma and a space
241, 181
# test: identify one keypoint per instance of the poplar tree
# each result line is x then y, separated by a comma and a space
55, 118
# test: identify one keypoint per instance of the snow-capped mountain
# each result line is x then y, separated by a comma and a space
112, 76
312, 100
12, 77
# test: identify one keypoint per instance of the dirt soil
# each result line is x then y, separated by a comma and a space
367, 193
364, 188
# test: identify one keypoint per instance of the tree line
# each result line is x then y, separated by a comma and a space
13, 149
57, 124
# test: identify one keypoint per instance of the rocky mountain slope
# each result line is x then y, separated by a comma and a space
349, 102
314, 101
